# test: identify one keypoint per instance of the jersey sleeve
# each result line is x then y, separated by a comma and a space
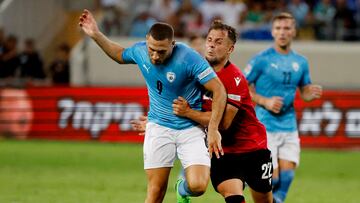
237, 89
253, 70
129, 54
305, 77
201, 70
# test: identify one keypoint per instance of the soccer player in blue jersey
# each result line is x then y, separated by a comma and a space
274, 76
170, 70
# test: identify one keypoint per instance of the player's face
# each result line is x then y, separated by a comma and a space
283, 32
159, 51
218, 46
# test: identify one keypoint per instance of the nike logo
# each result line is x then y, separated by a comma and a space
237, 81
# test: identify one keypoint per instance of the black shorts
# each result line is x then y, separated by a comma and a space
254, 168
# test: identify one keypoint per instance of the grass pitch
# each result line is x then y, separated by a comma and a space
92, 172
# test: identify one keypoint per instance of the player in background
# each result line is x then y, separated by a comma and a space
246, 157
170, 70
274, 76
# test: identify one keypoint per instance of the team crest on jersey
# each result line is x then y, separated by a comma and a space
295, 66
170, 76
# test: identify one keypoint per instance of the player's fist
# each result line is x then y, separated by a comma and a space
180, 107
274, 104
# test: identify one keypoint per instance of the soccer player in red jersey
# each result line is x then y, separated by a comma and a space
246, 156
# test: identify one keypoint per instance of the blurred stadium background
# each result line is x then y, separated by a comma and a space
56, 84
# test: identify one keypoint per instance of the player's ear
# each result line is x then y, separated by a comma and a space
231, 49
173, 42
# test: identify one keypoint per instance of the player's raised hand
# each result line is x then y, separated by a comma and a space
214, 143
88, 24
274, 104
180, 106
139, 125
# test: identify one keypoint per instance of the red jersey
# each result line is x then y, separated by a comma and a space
246, 133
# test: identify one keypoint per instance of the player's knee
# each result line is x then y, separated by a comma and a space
155, 190
198, 187
235, 199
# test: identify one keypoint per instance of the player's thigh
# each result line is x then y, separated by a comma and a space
231, 187
259, 170
274, 143
159, 147
191, 147
227, 167
290, 150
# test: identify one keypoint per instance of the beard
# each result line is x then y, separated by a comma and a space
213, 61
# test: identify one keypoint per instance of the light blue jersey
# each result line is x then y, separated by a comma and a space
276, 74
181, 75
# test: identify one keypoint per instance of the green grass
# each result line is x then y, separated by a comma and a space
91, 172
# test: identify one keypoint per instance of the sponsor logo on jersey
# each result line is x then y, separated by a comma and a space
170, 76
234, 97
237, 81
205, 73
295, 66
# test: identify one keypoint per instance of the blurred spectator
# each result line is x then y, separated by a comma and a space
183, 17
255, 22
163, 9
60, 67
233, 10
10, 61
300, 11
141, 25
31, 64
111, 22
196, 26
212, 9
344, 23
324, 13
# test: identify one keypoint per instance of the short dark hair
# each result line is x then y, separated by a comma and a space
218, 25
161, 31
282, 16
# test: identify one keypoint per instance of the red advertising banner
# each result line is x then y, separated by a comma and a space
104, 114
332, 121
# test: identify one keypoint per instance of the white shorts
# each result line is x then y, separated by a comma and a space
285, 146
162, 145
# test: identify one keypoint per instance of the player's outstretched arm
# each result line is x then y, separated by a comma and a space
88, 25
310, 92
218, 106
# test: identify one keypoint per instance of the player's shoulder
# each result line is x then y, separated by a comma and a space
140, 44
299, 56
